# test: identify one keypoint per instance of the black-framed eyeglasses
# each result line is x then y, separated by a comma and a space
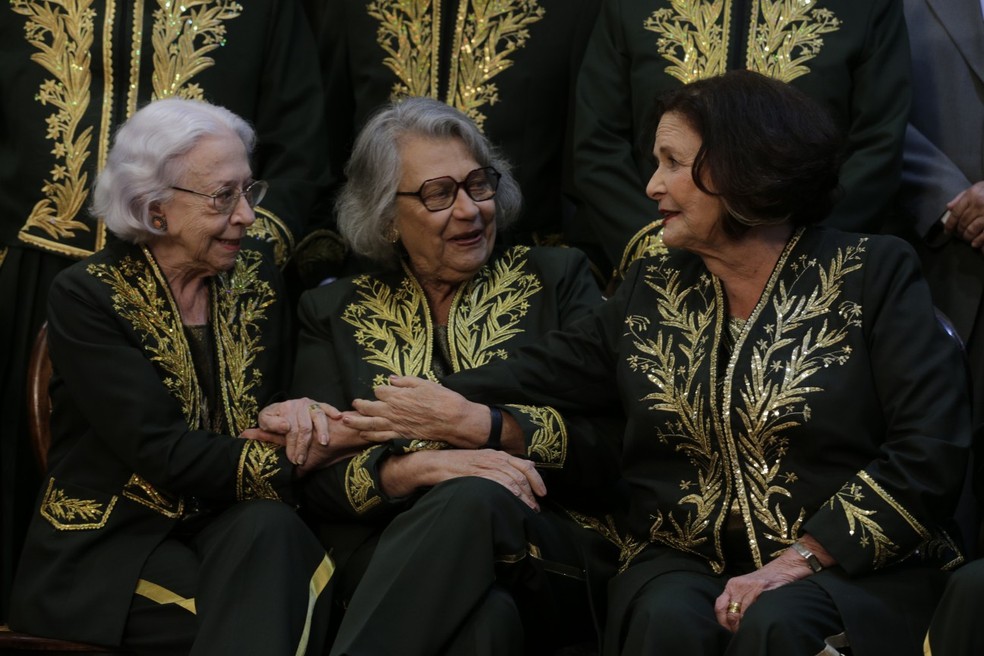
224, 200
440, 193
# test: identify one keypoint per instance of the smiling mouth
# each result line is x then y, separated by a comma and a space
468, 236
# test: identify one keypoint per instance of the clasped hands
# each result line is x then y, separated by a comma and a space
317, 434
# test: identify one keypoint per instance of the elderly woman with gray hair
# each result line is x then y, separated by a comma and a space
464, 546
156, 529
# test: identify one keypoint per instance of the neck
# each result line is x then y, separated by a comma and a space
745, 265
187, 285
439, 297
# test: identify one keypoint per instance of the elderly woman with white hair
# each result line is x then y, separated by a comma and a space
467, 556
156, 529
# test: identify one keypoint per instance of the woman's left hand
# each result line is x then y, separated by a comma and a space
415, 408
742, 591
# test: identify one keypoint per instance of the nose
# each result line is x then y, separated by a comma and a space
656, 188
464, 207
243, 213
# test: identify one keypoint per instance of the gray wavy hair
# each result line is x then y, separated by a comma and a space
147, 159
366, 206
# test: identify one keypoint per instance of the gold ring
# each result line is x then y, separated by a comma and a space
314, 406
734, 608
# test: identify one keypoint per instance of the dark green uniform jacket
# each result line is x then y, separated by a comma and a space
509, 65
130, 456
357, 331
841, 412
850, 56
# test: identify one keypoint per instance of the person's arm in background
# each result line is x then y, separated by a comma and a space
292, 142
879, 106
608, 184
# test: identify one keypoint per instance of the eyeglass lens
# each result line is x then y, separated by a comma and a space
226, 199
439, 193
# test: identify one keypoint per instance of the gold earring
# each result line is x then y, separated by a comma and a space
159, 222
393, 235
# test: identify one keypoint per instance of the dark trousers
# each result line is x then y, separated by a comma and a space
673, 613
251, 581
470, 570
956, 629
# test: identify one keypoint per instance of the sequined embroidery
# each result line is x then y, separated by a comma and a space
183, 35
486, 34
738, 455
548, 444
62, 33
139, 490
784, 35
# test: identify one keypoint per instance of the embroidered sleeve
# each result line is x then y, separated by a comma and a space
545, 432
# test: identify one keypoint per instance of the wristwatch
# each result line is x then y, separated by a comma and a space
810, 558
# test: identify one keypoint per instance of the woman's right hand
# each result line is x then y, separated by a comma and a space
403, 474
295, 422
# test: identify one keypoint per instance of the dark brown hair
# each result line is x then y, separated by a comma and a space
771, 152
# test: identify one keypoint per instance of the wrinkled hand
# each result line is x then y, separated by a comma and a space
292, 424
745, 589
415, 408
966, 219
342, 443
401, 475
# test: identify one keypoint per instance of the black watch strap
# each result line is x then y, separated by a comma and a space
495, 430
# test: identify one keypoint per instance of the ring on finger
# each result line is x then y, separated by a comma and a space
314, 406
734, 608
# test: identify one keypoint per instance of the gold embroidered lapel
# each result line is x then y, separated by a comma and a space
486, 34
486, 313
693, 35
773, 397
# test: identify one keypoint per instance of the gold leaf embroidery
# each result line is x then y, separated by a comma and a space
783, 36
786, 35
240, 300
773, 398
269, 228
3, 255
487, 33
486, 314
258, 464
677, 390
62, 32
70, 514
359, 487
177, 56
628, 546
548, 444
392, 326
861, 521
692, 37
141, 298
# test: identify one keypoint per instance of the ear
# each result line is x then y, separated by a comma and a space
156, 208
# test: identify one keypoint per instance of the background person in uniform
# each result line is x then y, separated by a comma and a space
509, 65
851, 56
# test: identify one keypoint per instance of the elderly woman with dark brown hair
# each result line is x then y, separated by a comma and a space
797, 421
